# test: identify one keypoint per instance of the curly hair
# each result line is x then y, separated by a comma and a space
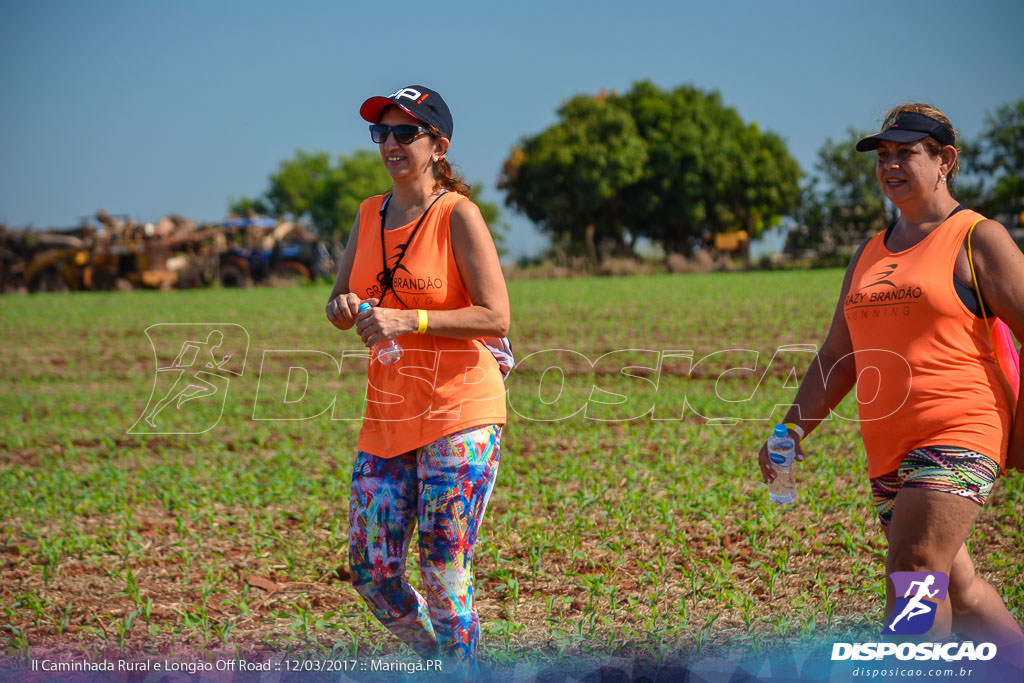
445, 176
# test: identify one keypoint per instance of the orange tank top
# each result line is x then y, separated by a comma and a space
441, 385
926, 374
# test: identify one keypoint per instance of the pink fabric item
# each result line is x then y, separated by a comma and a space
1006, 354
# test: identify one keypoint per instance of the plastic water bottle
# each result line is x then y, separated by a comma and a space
782, 454
384, 352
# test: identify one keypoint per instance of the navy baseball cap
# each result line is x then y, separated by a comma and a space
908, 126
417, 101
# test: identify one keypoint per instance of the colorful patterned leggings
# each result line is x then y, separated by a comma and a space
443, 488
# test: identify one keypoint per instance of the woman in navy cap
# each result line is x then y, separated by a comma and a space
423, 259
912, 331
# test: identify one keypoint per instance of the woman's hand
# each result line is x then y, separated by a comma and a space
342, 309
767, 471
377, 324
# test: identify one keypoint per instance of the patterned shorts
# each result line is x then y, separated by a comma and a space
949, 469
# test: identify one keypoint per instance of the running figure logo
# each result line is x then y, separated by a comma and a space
914, 612
190, 387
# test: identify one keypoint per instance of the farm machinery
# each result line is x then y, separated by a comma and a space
173, 253
271, 252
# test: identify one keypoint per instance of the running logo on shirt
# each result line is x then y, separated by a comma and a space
882, 276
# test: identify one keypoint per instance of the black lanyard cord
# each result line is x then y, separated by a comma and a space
386, 277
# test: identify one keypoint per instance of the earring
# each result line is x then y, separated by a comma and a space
942, 179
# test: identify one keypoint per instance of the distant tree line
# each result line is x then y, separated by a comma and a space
675, 167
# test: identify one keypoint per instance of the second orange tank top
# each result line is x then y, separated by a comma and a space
926, 375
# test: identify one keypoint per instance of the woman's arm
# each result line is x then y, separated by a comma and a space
477, 260
828, 379
999, 266
343, 305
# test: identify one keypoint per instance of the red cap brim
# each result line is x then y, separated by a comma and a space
371, 108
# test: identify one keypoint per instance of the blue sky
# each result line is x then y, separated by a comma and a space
147, 108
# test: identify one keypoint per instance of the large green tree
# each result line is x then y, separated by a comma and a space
709, 171
328, 194
674, 166
569, 179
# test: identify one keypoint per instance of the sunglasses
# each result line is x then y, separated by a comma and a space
404, 134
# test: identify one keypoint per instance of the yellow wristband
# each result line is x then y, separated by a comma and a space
423, 321
796, 428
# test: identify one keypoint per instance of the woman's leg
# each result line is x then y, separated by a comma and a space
457, 474
928, 529
979, 612
935, 497
382, 513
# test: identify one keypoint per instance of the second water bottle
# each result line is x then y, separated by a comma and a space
782, 454
384, 352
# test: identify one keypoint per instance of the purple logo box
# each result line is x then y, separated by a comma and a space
916, 594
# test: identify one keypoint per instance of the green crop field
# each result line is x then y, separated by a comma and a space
628, 518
